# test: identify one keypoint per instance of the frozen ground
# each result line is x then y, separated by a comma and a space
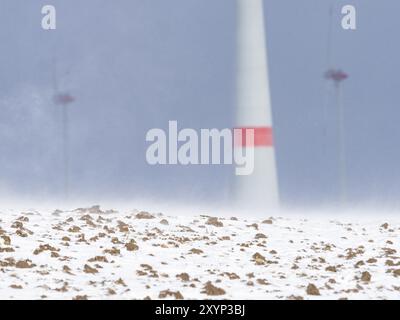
95, 254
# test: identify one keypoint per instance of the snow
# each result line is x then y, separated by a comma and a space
216, 258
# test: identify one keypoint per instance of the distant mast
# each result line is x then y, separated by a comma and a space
62, 100
337, 76
259, 191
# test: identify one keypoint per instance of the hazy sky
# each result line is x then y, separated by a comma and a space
134, 65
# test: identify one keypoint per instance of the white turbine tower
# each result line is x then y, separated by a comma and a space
258, 191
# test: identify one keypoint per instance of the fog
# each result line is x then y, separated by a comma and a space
135, 65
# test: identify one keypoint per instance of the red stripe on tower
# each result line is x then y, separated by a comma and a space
263, 137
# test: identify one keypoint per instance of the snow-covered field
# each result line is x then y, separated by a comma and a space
92, 253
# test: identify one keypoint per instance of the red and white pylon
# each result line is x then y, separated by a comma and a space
258, 191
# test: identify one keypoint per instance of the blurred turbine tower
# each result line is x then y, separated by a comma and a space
337, 77
62, 100
258, 191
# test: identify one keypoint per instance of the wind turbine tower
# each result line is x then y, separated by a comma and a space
259, 191
62, 100
337, 76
